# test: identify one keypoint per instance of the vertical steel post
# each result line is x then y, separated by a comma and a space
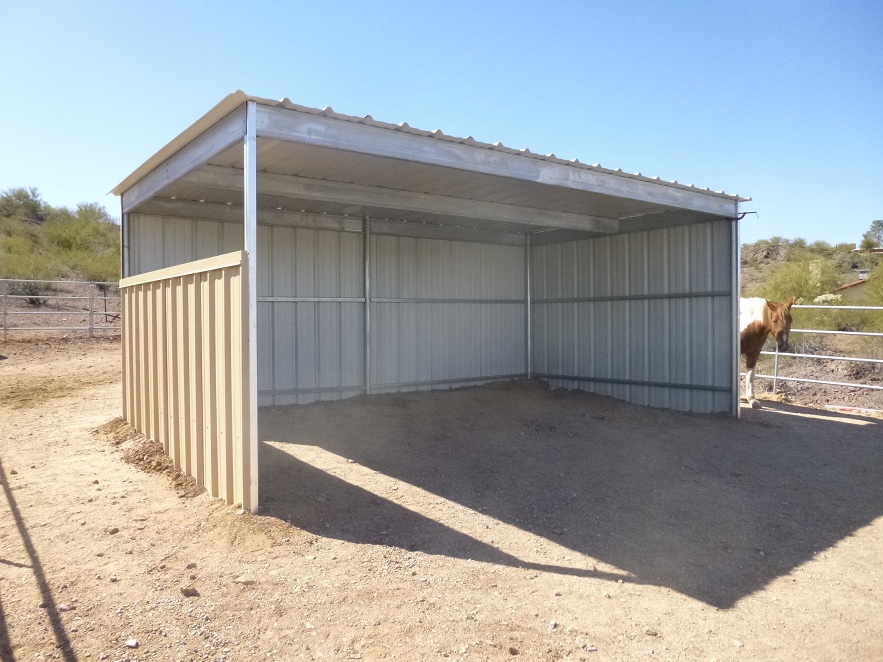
776, 373
736, 275
125, 267
367, 287
91, 308
250, 242
5, 311
528, 348
124, 243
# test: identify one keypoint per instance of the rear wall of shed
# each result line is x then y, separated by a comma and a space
444, 312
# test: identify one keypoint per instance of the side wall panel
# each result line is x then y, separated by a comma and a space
184, 348
644, 317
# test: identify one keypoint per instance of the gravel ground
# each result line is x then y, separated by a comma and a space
495, 523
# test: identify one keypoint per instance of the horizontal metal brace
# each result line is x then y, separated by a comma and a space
49, 295
311, 299
316, 389
840, 333
801, 305
520, 302
822, 356
64, 328
297, 188
634, 297
821, 381
72, 313
399, 385
58, 282
634, 382
454, 380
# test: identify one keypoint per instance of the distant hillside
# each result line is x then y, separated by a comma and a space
39, 241
780, 268
42, 242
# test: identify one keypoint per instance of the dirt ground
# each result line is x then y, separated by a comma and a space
493, 523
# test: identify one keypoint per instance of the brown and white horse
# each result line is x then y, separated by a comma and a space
757, 319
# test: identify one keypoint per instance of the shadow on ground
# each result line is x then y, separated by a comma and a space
62, 639
709, 506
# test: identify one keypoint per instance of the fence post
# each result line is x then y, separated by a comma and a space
776, 372
91, 306
5, 308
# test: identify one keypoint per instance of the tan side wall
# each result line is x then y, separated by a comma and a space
184, 370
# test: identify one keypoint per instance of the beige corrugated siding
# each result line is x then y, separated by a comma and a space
184, 366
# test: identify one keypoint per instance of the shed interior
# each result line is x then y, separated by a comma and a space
390, 258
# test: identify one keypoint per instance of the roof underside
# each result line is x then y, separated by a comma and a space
320, 162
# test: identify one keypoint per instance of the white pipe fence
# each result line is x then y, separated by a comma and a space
776, 377
103, 298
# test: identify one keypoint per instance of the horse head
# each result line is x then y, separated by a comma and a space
780, 322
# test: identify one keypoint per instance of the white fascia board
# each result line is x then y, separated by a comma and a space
214, 140
222, 178
295, 126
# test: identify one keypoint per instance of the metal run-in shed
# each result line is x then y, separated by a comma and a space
277, 254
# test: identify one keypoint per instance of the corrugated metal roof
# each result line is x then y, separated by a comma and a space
498, 146
236, 99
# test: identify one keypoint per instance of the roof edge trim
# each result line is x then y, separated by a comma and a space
237, 98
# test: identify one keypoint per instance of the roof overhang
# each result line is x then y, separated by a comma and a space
321, 162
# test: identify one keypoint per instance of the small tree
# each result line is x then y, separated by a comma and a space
22, 203
873, 238
804, 279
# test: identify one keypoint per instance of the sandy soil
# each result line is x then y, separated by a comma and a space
505, 522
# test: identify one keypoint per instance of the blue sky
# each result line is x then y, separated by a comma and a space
780, 101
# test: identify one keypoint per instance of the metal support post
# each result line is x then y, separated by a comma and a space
528, 347
124, 243
250, 243
367, 286
776, 372
736, 276
91, 308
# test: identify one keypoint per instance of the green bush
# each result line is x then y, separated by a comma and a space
38, 241
804, 279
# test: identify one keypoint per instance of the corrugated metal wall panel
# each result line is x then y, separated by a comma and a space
315, 349
184, 347
164, 241
301, 345
650, 306
459, 313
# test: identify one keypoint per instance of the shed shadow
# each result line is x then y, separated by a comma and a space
712, 507
327, 506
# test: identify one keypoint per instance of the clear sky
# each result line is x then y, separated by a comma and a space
780, 101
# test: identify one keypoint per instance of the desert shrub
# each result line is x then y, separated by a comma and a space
809, 343
37, 292
38, 241
804, 280
101, 266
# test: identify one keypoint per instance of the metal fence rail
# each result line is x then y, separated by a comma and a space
776, 377
103, 298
